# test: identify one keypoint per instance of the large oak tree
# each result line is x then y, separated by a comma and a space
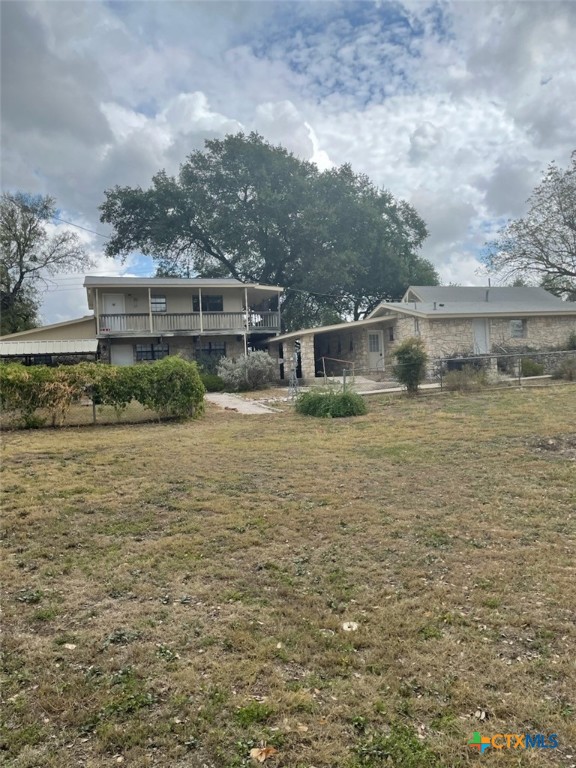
246, 209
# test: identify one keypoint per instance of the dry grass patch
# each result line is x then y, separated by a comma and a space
175, 594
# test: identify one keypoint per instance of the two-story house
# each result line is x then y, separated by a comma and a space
146, 318
137, 319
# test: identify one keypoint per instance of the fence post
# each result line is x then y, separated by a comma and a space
344, 380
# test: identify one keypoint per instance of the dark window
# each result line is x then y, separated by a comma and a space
518, 329
209, 303
339, 346
151, 352
213, 348
391, 333
351, 344
158, 303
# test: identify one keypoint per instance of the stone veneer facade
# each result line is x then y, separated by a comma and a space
443, 336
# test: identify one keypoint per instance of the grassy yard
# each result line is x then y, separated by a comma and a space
365, 592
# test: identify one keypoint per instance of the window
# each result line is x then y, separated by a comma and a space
158, 303
391, 336
209, 303
518, 329
416, 326
151, 352
351, 348
212, 348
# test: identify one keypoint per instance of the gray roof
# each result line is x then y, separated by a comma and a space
91, 281
511, 309
70, 347
529, 295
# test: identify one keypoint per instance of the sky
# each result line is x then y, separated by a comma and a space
456, 107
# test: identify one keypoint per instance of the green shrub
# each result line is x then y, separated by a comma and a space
530, 367
468, 379
257, 370
410, 366
171, 387
566, 370
330, 404
212, 382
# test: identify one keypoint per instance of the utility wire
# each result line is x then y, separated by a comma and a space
79, 226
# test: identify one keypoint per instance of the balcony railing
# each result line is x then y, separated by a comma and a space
234, 322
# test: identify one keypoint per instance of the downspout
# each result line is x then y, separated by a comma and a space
150, 323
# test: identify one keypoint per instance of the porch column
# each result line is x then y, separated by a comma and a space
150, 320
97, 311
288, 360
307, 357
200, 308
247, 317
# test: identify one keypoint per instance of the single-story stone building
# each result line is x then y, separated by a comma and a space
451, 321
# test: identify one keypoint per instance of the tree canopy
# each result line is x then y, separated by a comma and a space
28, 254
243, 208
541, 246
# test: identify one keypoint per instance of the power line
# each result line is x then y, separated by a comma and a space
79, 226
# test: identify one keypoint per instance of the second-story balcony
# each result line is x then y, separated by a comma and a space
189, 323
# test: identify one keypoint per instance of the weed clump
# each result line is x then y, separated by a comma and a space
331, 405
530, 367
468, 379
400, 748
566, 370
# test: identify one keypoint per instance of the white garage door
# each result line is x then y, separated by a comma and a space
121, 354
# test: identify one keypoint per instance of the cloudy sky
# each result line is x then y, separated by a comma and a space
456, 107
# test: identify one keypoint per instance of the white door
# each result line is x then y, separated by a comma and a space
113, 304
376, 350
121, 354
481, 336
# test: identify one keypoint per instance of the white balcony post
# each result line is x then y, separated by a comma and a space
97, 308
200, 308
150, 310
247, 314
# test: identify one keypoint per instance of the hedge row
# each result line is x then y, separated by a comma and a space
171, 387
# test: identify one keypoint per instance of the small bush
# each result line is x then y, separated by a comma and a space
566, 370
212, 382
530, 367
257, 370
468, 379
410, 367
330, 404
171, 387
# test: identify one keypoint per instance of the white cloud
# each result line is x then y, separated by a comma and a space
456, 107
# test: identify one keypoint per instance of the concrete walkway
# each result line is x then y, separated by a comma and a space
230, 402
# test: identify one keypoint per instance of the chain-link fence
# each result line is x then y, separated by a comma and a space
504, 368
85, 412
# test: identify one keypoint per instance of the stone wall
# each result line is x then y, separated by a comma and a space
447, 336
541, 333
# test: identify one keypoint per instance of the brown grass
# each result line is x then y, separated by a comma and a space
174, 594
